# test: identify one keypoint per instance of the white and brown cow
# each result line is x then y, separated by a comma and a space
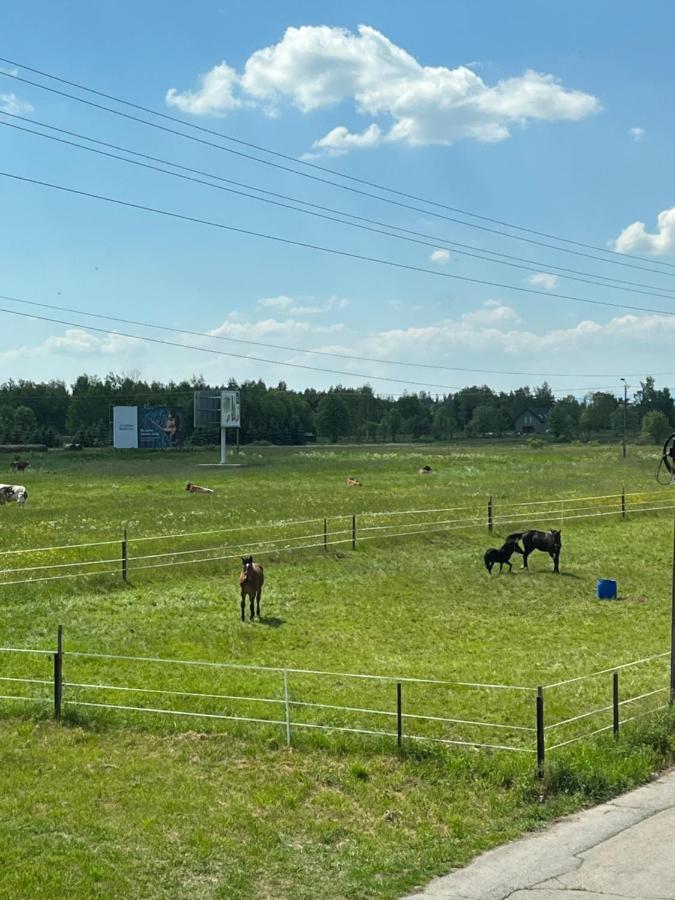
13, 493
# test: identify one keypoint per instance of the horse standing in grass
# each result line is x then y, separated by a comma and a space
502, 556
548, 541
251, 583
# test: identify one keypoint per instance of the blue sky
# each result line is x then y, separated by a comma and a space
550, 116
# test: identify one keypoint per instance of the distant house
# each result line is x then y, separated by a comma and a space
532, 420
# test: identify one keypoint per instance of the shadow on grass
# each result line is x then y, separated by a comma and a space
271, 621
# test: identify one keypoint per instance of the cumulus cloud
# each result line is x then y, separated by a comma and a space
339, 141
10, 103
318, 67
441, 257
84, 343
216, 94
637, 134
636, 238
544, 280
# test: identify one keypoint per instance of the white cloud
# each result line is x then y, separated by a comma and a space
339, 141
442, 257
318, 67
292, 307
10, 103
636, 237
258, 331
84, 343
544, 280
637, 134
215, 95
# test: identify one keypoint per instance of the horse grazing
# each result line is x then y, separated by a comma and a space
501, 556
251, 583
548, 541
19, 465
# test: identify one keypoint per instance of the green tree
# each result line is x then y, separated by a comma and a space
391, 424
485, 420
25, 422
444, 424
332, 417
656, 427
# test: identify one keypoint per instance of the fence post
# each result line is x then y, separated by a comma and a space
489, 512
125, 555
399, 715
615, 703
58, 673
623, 502
287, 707
541, 746
325, 534
353, 532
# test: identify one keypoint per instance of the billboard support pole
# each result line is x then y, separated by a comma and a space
223, 446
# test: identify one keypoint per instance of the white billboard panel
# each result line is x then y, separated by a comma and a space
125, 427
230, 416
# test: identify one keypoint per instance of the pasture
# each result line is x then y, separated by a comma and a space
116, 803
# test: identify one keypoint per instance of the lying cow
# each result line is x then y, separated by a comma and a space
197, 489
19, 465
352, 482
13, 493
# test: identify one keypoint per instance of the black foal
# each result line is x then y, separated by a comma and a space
501, 556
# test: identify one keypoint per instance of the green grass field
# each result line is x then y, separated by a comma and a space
118, 803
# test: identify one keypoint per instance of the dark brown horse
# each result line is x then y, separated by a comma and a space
251, 583
548, 541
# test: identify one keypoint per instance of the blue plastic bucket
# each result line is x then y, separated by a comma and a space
606, 589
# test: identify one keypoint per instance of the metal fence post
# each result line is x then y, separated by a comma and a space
615, 703
287, 707
125, 555
489, 514
672, 627
353, 532
541, 745
58, 674
399, 715
623, 502
325, 534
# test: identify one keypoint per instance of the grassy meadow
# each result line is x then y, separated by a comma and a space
119, 803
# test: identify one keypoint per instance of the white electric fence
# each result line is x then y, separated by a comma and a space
329, 532
404, 708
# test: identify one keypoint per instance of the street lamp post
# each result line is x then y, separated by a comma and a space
625, 401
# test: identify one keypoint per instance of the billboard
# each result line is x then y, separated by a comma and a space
147, 427
230, 416
125, 427
217, 409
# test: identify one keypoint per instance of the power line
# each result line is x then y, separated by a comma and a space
332, 250
333, 354
388, 200
310, 165
273, 362
428, 240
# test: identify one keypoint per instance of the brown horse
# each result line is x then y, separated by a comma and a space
251, 583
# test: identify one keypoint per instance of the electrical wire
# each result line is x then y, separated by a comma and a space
307, 164
329, 213
331, 250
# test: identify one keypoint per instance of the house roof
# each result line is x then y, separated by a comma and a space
541, 412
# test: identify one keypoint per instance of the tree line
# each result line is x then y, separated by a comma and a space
52, 412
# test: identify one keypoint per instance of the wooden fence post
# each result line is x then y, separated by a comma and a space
287, 707
541, 744
399, 715
615, 704
623, 502
325, 534
353, 532
125, 555
490, 517
58, 674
